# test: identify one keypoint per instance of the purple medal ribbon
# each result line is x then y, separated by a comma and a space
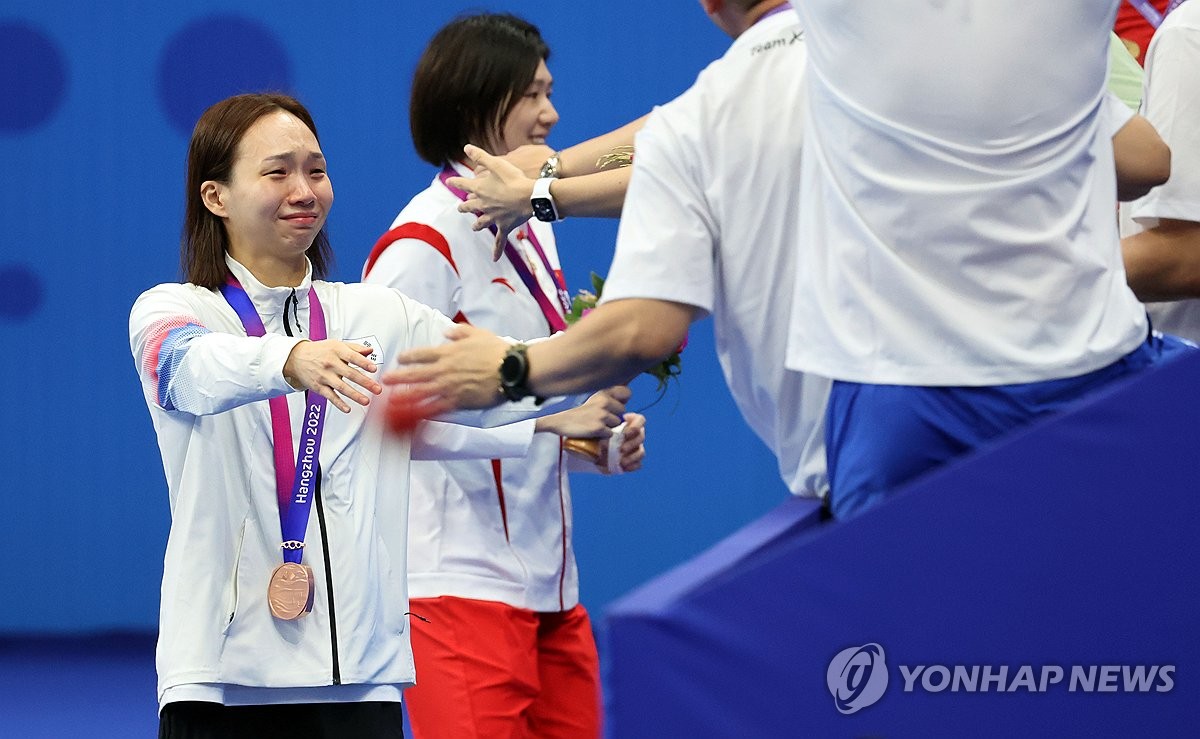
294, 485
1151, 14
553, 317
1148, 11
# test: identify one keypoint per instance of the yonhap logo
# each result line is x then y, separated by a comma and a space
857, 677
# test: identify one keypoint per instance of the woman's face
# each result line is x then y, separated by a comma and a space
530, 120
278, 195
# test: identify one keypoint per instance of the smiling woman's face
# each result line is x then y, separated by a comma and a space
533, 115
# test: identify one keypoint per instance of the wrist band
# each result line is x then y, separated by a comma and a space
614, 450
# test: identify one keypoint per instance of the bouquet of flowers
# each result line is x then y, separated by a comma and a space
583, 303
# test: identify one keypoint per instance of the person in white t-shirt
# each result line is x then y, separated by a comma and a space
1162, 248
1062, 251
504, 647
962, 273
707, 223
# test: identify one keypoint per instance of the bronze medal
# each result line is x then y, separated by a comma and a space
290, 592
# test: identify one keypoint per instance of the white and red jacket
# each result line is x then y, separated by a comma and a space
206, 384
496, 530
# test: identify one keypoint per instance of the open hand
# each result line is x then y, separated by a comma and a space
332, 368
594, 419
463, 373
499, 195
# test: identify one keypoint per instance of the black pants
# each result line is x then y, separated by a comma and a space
196, 720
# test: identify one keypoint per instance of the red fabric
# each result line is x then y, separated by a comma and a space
418, 231
486, 670
1134, 29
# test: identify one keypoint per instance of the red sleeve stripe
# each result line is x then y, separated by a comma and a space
418, 231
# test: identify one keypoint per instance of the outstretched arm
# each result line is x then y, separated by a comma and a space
500, 192
607, 347
187, 368
586, 157
584, 187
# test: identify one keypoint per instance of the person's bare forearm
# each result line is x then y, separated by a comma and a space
609, 346
1142, 158
583, 158
1163, 263
596, 195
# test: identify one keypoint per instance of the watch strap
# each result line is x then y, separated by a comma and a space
542, 202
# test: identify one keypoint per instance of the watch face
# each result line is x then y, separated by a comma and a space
543, 209
510, 369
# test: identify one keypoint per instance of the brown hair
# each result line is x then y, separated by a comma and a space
467, 81
211, 154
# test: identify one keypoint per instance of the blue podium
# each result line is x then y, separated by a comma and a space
1048, 585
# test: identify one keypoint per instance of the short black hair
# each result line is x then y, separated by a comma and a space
468, 79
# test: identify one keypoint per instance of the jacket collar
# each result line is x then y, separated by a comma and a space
269, 301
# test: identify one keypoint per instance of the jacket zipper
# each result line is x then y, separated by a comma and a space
337, 668
562, 512
295, 313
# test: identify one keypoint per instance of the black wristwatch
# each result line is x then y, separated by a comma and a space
514, 373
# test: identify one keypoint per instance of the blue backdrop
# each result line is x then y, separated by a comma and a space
96, 104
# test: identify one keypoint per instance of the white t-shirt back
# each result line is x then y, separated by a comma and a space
958, 194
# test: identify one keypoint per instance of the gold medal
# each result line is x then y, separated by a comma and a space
588, 449
290, 592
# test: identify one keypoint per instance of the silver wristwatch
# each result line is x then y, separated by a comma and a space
550, 168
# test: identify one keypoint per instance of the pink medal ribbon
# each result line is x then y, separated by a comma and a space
553, 317
293, 482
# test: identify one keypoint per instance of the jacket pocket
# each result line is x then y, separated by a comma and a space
231, 601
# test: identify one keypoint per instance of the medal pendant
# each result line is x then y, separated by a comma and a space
290, 592
588, 449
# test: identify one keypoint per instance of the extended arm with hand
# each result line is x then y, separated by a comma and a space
500, 194
501, 190
599, 418
607, 347
187, 368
